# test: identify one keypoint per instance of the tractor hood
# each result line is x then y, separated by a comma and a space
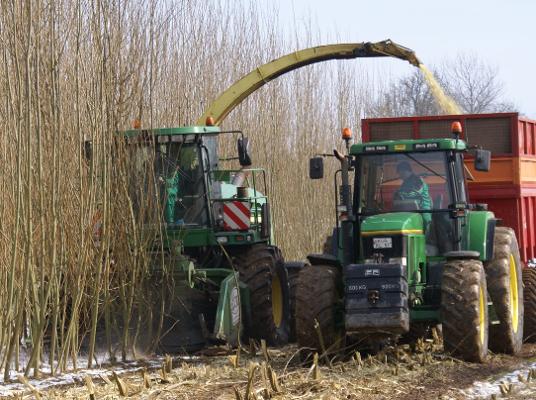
393, 223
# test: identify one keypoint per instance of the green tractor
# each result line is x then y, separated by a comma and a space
213, 251
409, 252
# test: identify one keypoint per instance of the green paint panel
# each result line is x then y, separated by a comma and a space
404, 146
397, 221
424, 314
476, 230
416, 262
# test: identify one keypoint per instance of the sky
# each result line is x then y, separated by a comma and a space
501, 33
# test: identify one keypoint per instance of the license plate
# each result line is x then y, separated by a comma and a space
382, 243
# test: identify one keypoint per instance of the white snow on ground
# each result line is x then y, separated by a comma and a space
484, 390
11, 389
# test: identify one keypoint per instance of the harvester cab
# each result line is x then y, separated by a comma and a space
193, 189
213, 243
410, 252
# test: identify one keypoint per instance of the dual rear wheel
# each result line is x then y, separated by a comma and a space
465, 288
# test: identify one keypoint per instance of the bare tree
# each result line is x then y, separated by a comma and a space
474, 84
471, 82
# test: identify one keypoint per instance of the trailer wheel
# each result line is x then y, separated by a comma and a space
317, 299
293, 271
505, 287
529, 281
464, 309
266, 277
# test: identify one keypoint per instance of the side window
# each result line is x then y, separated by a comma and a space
460, 178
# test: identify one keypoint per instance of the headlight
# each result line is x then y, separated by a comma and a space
257, 221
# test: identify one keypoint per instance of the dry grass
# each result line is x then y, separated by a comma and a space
396, 373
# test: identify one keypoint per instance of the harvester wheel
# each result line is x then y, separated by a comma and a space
293, 271
505, 287
529, 281
265, 274
317, 299
464, 309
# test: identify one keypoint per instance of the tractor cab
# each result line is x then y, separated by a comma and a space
423, 182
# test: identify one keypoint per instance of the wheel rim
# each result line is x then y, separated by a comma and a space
482, 316
514, 296
277, 302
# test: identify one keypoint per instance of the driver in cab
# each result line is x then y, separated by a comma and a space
413, 188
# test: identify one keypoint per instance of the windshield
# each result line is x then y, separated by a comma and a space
179, 171
403, 182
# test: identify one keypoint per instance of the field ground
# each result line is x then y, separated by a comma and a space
396, 373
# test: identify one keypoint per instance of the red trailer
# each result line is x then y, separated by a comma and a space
509, 188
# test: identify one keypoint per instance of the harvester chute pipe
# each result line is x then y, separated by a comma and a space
241, 89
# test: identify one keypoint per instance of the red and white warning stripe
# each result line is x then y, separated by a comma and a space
236, 216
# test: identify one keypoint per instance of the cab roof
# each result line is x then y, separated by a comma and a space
406, 146
182, 130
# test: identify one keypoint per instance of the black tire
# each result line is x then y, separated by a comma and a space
505, 287
293, 271
317, 298
529, 281
464, 310
262, 269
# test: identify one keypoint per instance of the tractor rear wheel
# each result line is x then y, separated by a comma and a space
505, 287
266, 277
529, 281
317, 299
464, 309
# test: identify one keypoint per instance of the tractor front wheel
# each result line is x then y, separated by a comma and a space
464, 309
317, 299
529, 281
262, 269
505, 286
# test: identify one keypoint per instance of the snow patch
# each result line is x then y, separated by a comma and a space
485, 389
77, 377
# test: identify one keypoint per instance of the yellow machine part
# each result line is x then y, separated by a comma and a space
241, 89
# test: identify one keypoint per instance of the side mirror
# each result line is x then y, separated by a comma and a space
482, 160
316, 168
243, 152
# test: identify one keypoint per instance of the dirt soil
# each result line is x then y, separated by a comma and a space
395, 373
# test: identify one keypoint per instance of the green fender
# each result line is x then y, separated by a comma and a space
480, 232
